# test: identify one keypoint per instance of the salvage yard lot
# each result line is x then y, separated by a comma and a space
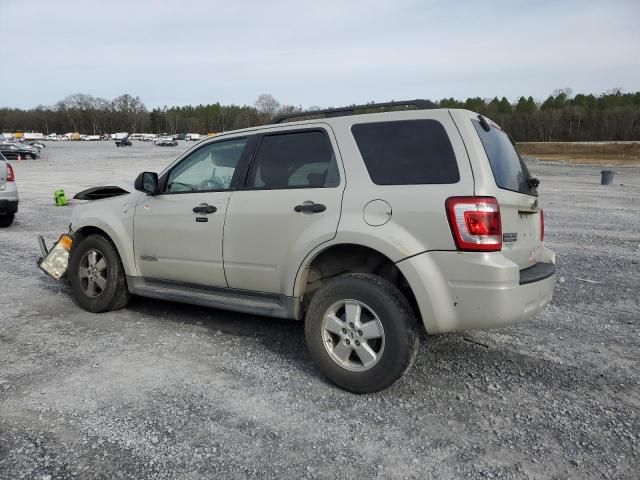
163, 390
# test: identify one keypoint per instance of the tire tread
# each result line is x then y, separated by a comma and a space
120, 296
375, 379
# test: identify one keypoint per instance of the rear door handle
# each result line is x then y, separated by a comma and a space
204, 208
310, 207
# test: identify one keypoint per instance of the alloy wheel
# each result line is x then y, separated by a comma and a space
93, 273
353, 335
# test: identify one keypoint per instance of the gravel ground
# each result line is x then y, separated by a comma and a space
167, 391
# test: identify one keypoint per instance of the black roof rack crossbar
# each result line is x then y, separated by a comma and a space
419, 104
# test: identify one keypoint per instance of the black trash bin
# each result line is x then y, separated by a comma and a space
607, 177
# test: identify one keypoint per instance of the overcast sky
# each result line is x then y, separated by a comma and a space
322, 52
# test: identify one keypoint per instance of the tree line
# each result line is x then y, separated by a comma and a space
613, 115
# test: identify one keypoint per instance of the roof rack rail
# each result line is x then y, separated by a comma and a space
419, 104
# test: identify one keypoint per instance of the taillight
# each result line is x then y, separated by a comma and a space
475, 223
10, 176
541, 225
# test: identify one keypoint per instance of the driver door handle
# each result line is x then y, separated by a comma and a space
310, 207
204, 208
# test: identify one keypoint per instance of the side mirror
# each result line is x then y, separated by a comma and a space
147, 182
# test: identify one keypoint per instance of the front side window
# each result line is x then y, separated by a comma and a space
208, 168
407, 152
294, 160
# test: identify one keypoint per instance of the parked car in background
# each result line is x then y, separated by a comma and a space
136, 136
91, 138
36, 144
165, 142
14, 150
193, 137
149, 137
179, 136
123, 142
8, 193
439, 226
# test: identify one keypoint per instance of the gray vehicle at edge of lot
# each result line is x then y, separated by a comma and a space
16, 151
365, 226
8, 193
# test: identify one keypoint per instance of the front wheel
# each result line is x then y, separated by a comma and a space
6, 220
96, 275
361, 332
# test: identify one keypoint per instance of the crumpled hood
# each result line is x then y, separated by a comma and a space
114, 189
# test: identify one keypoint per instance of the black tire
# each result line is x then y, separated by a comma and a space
115, 294
400, 337
6, 220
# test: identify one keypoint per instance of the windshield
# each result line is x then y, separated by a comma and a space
509, 171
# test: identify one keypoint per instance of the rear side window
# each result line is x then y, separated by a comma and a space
407, 152
294, 160
509, 171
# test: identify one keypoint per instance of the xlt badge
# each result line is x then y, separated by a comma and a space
510, 237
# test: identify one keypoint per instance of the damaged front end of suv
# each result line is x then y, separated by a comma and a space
55, 261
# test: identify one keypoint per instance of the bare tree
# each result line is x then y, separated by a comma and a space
267, 105
287, 109
566, 91
614, 91
131, 108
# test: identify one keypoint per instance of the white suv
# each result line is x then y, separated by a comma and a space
365, 226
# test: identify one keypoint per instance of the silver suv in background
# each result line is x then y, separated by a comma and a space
367, 226
8, 193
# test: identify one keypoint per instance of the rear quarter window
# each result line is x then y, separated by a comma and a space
406, 152
509, 171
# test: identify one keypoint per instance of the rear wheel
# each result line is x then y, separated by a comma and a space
6, 220
361, 332
96, 275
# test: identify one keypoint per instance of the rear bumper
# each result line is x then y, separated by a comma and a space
467, 290
8, 206
540, 271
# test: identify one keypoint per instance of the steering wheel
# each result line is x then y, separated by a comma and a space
190, 187
211, 184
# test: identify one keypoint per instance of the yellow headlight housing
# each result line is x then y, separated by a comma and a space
57, 260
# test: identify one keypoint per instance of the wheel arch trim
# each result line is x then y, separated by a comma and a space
112, 234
